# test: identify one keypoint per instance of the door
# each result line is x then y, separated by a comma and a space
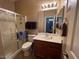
49, 24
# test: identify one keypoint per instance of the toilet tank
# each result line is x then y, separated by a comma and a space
30, 38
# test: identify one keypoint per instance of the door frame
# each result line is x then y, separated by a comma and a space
45, 22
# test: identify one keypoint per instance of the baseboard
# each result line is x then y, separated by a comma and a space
13, 55
71, 55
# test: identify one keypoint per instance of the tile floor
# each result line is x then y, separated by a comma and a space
21, 56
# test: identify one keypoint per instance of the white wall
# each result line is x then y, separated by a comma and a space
75, 47
73, 28
71, 19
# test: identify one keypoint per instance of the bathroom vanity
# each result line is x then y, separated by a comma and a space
48, 46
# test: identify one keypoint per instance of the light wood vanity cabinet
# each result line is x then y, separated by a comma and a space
47, 50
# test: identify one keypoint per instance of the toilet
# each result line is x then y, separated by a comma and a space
26, 47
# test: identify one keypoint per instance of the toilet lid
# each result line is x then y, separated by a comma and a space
27, 44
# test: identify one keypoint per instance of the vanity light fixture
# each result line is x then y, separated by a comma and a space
49, 6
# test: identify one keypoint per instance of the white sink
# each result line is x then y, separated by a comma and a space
48, 37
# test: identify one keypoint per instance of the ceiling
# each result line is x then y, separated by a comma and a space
14, 0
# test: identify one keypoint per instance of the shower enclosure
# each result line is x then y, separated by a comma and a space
8, 39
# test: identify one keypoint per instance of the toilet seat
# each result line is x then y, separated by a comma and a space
26, 45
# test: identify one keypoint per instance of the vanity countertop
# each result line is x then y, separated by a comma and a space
49, 37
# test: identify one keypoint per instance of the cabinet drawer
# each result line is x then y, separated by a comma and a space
48, 44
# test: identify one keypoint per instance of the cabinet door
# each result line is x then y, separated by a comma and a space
47, 50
